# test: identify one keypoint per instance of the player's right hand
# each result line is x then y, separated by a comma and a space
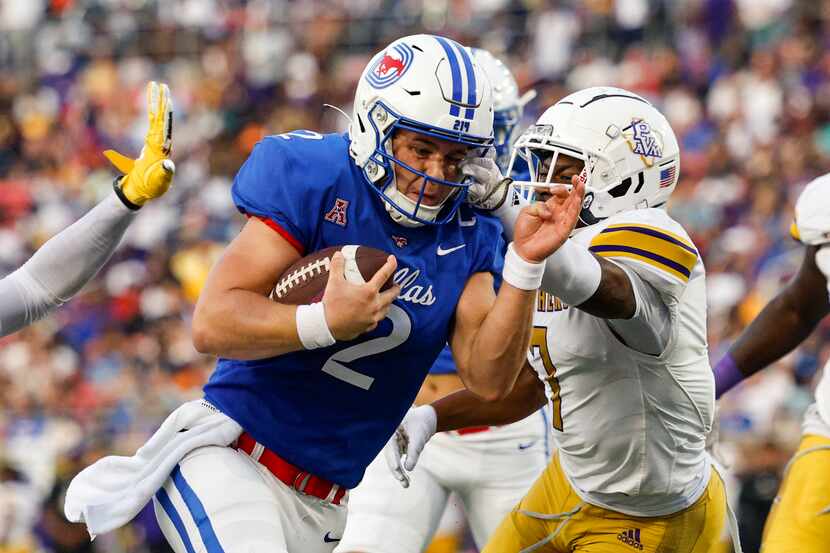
354, 309
151, 174
405, 446
543, 227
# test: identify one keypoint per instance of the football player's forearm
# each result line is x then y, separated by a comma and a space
497, 352
64, 264
777, 330
614, 298
581, 279
463, 408
785, 322
239, 324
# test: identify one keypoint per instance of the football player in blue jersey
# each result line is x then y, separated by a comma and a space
319, 389
489, 467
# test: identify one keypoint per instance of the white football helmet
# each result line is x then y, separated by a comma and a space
631, 155
812, 213
430, 85
508, 107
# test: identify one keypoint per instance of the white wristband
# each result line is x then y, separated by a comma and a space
572, 273
519, 273
312, 327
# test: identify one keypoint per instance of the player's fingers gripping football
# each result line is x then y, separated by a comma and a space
151, 174
384, 299
353, 309
380, 278
384, 273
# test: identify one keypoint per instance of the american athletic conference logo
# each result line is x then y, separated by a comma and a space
391, 66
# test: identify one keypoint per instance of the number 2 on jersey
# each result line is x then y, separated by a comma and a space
401, 327
539, 345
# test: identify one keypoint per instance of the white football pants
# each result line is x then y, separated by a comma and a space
490, 471
219, 500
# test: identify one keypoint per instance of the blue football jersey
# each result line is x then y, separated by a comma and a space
330, 410
444, 363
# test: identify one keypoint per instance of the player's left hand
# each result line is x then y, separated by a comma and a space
489, 188
404, 447
151, 174
544, 226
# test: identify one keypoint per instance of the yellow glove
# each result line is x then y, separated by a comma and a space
151, 174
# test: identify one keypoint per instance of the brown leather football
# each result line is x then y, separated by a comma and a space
305, 281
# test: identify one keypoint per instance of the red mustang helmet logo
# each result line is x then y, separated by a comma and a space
387, 64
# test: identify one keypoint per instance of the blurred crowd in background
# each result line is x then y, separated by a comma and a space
745, 84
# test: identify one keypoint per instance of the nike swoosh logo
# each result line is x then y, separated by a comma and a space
329, 539
527, 445
442, 251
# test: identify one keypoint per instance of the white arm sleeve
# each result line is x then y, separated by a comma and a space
509, 212
649, 330
61, 267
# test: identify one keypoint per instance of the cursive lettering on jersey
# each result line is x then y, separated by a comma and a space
411, 290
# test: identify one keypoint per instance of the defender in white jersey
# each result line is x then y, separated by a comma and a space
800, 517
619, 344
64, 264
488, 467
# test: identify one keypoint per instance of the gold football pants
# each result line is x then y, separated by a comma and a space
552, 518
800, 517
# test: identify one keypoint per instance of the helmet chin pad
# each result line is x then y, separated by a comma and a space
401, 207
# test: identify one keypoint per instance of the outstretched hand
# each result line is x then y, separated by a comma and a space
151, 174
543, 227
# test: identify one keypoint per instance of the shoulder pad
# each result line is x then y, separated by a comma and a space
649, 237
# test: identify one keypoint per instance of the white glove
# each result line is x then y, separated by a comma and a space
490, 187
415, 430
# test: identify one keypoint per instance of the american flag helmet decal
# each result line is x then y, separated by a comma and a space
667, 175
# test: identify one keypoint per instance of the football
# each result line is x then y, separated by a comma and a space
305, 281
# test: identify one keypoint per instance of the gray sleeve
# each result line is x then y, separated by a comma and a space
649, 330
61, 267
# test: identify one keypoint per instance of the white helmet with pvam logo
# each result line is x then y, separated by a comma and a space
430, 85
630, 151
508, 106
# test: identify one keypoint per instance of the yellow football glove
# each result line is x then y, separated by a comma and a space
151, 174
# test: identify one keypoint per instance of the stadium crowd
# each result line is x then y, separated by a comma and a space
745, 84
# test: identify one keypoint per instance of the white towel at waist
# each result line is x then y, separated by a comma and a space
110, 492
